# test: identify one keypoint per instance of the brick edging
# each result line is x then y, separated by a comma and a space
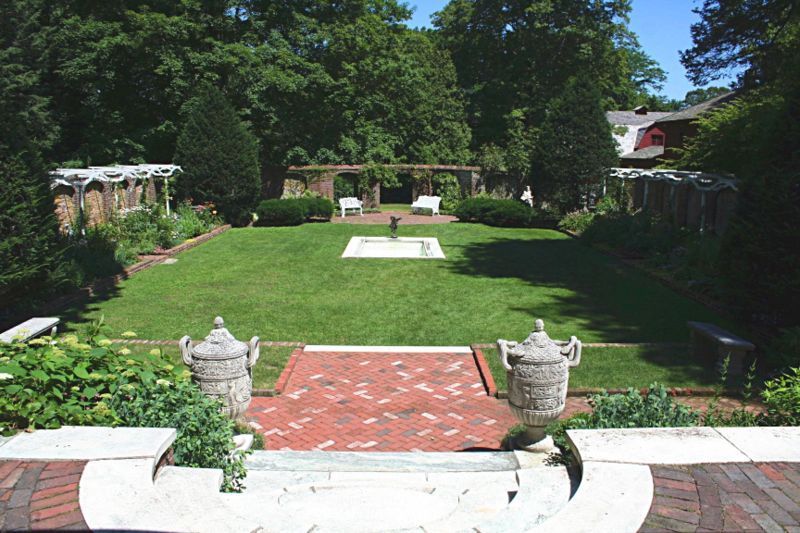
486, 345
149, 342
106, 283
283, 380
483, 369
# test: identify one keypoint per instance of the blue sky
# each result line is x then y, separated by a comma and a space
662, 27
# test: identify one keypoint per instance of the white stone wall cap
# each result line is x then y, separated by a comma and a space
89, 443
673, 446
386, 349
612, 498
765, 444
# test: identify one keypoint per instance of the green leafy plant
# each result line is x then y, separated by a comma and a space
204, 434
448, 188
655, 407
495, 212
50, 382
576, 221
782, 399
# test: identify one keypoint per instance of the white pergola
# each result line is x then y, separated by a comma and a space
704, 182
80, 178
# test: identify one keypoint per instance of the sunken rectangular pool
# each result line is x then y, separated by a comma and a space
399, 248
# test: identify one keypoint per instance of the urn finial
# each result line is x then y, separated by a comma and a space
538, 325
219, 323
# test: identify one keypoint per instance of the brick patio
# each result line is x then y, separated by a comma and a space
726, 497
382, 402
39, 495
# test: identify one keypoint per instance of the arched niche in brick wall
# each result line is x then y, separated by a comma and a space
94, 207
66, 209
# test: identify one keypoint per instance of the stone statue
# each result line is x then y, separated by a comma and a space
223, 367
393, 225
538, 374
527, 196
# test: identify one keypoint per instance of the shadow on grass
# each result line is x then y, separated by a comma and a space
606, 299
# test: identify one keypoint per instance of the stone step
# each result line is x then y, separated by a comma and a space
383, 461
203, 481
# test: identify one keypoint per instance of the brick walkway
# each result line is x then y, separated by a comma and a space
37, 495
726, 497
383, 218
382, 402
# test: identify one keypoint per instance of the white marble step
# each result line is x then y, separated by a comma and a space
383, 461
205, 481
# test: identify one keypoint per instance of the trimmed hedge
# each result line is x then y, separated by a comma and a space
500, 213
293, 211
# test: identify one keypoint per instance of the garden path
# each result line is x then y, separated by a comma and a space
382, 402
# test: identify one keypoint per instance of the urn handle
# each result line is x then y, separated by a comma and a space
253, 352
185, 344
573, 351
503, 346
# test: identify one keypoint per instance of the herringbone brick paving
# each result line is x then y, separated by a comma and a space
40, 495
726, 497
382, 402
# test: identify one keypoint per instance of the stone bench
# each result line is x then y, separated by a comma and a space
30, 329
351, 203
711, 339
427, 202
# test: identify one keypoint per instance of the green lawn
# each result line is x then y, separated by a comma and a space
622, 367
291, 284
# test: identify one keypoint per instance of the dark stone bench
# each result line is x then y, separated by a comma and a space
30, 329
708, 339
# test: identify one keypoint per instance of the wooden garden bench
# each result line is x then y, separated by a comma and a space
351, 203
427, 202
30, 329
709, 338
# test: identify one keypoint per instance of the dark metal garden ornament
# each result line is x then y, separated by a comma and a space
222, 367
393, 225
538, 373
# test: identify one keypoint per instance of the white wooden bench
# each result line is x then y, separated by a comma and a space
427, 202
30, 329
351, 203
709, 338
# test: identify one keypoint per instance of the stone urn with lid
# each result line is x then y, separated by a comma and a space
222, 366
538, 373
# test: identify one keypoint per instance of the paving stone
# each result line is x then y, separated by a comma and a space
424, 413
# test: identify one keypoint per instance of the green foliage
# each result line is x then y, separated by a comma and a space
642, 233
655, 408
275, 212
495, 212
315, 207
448, 188
219, 157
204, 433
50, 382
784, 350
577, 221
782, 399
574, 148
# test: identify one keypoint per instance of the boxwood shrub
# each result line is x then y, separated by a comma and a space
500, 213
280, 213
315, 207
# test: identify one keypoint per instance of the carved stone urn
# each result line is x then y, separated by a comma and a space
222, 367
538, 372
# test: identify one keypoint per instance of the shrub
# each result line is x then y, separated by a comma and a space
219, 157
315, 207
784, 351
495, 212
205, 434
577, 221
655, 408
47, 383
280, 213
781, 397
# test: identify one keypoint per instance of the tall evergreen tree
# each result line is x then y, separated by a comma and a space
219, 157
575, 146
29, 244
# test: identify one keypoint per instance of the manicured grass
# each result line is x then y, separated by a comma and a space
622, 367
291, 284
271, 361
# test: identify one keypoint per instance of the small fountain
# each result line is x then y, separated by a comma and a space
394, 247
